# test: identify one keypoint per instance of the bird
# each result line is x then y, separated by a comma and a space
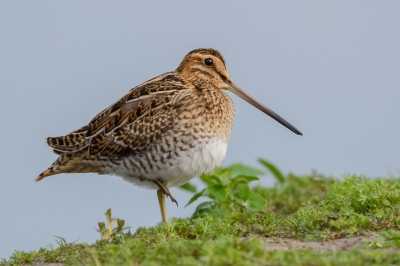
163, 132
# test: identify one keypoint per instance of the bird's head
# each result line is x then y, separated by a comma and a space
207, 68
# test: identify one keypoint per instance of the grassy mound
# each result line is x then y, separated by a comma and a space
232, 228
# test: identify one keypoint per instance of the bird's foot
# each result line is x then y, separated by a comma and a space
165, 190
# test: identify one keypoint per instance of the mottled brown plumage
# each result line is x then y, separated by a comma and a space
161, 133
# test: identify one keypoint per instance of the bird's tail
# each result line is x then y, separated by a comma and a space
48, 172
52, 170
78, 162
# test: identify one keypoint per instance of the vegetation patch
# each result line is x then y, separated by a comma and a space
240, 222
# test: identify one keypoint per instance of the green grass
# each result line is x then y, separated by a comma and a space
305, 208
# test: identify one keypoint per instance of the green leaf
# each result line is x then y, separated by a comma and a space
225, 173
225, 181
243, 192
221, 213
244, 179
203, 205
274, 170
101, 225
61, 241
240, 169
216, 180
256, 202
205, 177
120, 224
202, 208
108, 214
217, 192
238, 201
195, 197
188, 187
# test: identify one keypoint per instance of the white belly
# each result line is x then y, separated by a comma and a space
204, 157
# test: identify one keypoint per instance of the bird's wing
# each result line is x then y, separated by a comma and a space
134, 122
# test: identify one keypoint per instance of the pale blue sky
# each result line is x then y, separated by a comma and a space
329, 68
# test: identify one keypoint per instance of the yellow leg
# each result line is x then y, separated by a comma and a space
163, 207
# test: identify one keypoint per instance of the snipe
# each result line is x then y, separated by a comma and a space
163, 132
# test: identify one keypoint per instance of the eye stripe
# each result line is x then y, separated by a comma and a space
204, 70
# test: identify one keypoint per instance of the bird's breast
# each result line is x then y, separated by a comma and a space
196, 143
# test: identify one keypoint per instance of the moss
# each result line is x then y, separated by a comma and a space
305, 208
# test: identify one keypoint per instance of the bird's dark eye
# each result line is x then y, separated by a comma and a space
208, 62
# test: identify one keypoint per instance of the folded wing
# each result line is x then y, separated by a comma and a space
133, 123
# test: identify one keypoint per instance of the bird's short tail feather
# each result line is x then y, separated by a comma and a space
70, 163
45, 173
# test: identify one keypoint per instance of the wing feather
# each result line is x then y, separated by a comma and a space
133, 123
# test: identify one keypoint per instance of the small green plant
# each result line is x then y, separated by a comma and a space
291, 192
387, 239
229, 191
110, 232
274, 171
61, 241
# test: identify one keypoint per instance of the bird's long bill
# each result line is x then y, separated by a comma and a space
236, 89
